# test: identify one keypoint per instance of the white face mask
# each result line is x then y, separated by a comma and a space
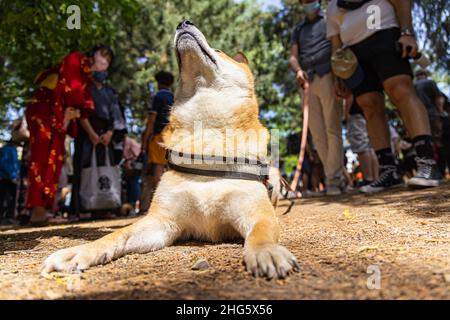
312, 7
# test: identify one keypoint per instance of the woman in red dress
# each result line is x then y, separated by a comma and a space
62, 97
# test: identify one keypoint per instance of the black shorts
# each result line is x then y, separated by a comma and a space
379, 59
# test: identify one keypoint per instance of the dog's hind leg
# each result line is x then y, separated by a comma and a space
153, 232
263, 256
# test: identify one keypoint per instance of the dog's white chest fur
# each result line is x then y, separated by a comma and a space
209, 206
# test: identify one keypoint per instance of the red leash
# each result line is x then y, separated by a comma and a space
304, 136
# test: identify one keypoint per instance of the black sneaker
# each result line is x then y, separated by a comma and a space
427, 175
389, 177
363, 183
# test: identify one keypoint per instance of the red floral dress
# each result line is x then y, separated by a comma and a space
45, 118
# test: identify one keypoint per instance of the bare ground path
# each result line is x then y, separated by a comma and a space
406, 234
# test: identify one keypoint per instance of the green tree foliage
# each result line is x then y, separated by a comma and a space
34, 36
433, 25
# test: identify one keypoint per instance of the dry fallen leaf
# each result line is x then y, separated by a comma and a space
367, 248
348, 215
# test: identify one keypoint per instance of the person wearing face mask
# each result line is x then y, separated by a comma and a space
310, 60
102, 129
62, 97
376, 61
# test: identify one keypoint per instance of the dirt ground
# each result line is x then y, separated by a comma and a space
403, 233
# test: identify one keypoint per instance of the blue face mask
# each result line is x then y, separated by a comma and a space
100, 76
311, 7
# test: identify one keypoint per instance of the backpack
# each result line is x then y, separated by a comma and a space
9, 163
351, 4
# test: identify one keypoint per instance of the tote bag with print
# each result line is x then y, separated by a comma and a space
100, 187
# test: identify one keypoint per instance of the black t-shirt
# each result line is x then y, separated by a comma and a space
161, 103
428, 91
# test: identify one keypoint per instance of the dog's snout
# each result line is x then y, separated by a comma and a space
184, 24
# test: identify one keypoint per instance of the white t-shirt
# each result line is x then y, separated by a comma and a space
354, 26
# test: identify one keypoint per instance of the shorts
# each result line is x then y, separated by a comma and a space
379, 60
357, 134
156, 152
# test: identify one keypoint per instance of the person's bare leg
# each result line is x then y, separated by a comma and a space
365, 159
375, 167
400, 90
305, 182
315, 178
403, 94
348, 178
372, 104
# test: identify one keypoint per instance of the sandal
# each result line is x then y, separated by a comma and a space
39, 224
49, 219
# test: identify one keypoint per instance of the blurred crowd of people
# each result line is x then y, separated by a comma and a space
77, 161
346, 67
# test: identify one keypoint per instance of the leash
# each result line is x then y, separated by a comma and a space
304, 136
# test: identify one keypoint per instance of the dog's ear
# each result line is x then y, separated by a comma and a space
240, 57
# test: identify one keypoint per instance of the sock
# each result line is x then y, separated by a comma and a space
386, 157
424, 147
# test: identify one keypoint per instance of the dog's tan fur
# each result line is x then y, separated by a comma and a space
217, 92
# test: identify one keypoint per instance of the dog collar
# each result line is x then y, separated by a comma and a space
218, 166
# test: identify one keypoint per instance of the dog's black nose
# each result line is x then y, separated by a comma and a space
184, 24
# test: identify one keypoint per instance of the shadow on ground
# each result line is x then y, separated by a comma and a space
429, 203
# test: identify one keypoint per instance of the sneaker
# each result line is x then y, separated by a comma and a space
312, 194
389, 177
363, 183
427, 174
333, 190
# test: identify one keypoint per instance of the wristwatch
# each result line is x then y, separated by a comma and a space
408, 32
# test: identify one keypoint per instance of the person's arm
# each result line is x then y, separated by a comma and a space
336, 43
86, 125
440, 103
74, 72
148, 132
340, 88
403, 12
439, 99
116, 121
69, 115
300, 75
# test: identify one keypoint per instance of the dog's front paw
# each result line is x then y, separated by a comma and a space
74, 259
271, 260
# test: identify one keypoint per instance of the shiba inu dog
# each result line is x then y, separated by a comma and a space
218, 93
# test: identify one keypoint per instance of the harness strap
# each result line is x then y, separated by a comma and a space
206, 158
239, 168
219, 173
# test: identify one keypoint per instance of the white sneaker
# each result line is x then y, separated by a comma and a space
427, 174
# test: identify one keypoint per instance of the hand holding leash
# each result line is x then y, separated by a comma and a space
302, 77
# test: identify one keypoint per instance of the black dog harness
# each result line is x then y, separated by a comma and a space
220, 167
224, 167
